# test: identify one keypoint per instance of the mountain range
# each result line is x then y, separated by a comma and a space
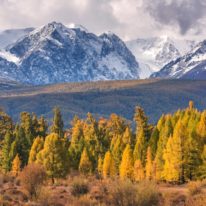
56, 53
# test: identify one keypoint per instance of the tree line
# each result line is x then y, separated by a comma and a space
173, 150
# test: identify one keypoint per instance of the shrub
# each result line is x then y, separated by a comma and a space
125, 193
147, 194
79, 187
194, 188
32, 178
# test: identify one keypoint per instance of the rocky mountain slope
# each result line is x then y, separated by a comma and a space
154, 53
190, 66
55, 53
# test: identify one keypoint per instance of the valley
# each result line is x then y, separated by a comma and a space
103, 98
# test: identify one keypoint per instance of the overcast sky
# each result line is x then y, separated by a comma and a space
129, 19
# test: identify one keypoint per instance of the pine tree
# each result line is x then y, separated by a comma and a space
165, 132
138, 171
37, 146
58, 124
77, 143
42, 127
149, 165
140, 147
85, 165
6, 159
6, 124
16, 166
109, 168
22, 145
174, 167
202, 168
201, 128
153, 142
126, 166
192, 157
54, 157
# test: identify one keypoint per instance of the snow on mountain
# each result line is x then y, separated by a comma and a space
153, 53
8, 37
55, 53
190, 66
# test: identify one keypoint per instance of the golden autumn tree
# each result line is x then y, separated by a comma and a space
54, 157
126, 166
149, 164
85, 165
138, 171
37, 146
202, 168
174, 156
109, 168
16, 165
140, 147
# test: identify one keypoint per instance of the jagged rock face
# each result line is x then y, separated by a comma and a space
190, 66
55, 53
154, 53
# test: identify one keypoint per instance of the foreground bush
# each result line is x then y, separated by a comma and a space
32, 178
125, 193
79, 186
197, 200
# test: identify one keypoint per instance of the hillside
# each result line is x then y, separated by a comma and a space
103, 98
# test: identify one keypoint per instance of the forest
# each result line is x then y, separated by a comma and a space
173, 150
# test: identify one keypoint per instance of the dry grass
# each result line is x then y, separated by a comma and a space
194, 188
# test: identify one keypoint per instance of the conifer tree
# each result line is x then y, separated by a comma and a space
22, 145
58, 124
109, 168
85, 165
126, 166
165, 132
6, 124
201, 128
77, 143
153, 142
140, 147
16, 165
6, 159
37, 146
174, 168
138, 171
42, 127
149, 165
141, 121
202, 168
54, 157
192, 157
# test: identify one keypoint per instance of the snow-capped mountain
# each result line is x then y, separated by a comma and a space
153, 53
190, 66
10, 36
56, 53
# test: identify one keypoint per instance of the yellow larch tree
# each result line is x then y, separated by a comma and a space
85, 165
138, 171
109, 168
37, 146
149, 164
126, 166
16, 165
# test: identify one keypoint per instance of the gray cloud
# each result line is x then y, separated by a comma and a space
128, 18
185, 13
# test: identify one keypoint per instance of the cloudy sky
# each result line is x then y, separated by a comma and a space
129, 19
